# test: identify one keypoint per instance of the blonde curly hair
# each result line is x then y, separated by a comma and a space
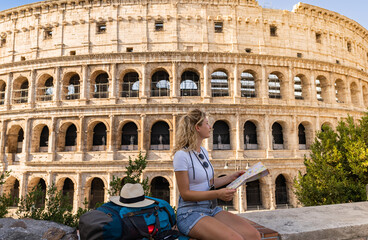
186, 134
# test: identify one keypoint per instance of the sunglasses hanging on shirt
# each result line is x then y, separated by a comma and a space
205, 164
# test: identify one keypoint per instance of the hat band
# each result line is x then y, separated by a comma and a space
132, 200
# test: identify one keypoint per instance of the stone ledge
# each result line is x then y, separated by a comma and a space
330, 222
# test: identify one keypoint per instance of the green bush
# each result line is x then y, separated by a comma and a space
55, 208
5, 201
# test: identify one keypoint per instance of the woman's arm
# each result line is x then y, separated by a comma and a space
221, 181
182, 180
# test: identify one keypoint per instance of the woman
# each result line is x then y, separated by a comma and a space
197, 215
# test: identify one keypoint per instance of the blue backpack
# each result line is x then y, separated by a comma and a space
114, 222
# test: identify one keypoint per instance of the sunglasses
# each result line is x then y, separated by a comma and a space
205, 164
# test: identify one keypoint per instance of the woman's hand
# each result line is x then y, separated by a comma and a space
226, 194
235, 175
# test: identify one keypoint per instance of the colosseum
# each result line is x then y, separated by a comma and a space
86, 84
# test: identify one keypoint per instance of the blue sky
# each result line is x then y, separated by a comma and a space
354, 9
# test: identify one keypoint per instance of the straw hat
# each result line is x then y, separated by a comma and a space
131, 195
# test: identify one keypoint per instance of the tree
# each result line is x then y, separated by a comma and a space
133, 173
5, 201
336, 171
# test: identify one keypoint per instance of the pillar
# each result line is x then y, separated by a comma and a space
58, 86
84, 88
9, 87
264, 85
113, 83
27, 139
206, 84
143, 133
52, 140
143, 83
236, 85
32, 89
175, 82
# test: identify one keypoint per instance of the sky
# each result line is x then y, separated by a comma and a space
354, 9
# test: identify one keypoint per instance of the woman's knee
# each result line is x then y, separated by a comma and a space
252, 235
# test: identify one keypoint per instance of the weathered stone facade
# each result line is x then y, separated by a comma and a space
73, 70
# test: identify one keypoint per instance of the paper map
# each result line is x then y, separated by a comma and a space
255, 172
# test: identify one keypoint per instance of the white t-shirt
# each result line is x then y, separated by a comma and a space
182, 162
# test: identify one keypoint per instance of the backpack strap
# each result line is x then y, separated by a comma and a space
156, 227
116, 213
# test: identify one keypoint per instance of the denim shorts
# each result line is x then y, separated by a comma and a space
188, 216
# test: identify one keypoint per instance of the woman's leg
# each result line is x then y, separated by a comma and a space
210, 228
238, 224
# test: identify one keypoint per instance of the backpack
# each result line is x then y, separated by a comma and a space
114, 222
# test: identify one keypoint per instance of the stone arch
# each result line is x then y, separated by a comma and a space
221, 203
2, 91
15, 137
64, 134
340, 91
99, 84
71, 85
127, 138
90, 134
11, 188
365, 95
221, 135
281, 190
322, 88
354, 94
254, 195
276, 85
160, 138
36, 138
96, 193
160, 83
35, 183
301, 89
309, 135
160, 188
279, 135
190, 84
20, 90
250, 135
220, 83
67, 186
45, 87
129, 82
249, 84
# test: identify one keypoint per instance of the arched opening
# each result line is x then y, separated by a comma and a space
225, 204
281, 191
129, 137
160, 84
130, 85
254, 200
68, 191
277, 137
189, 85
97, 193
274, 86
72, 89
2, 92
11, 189
20, 91
340, 91
44, 139
221, 136
354, 93
219, 84
160, 188
39, 185
321, 88
302, 138
45, 91
99, 137
101, 86
298, 88
15, 139
71, 138
365, 96
250, 136
248, 86
160, 136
